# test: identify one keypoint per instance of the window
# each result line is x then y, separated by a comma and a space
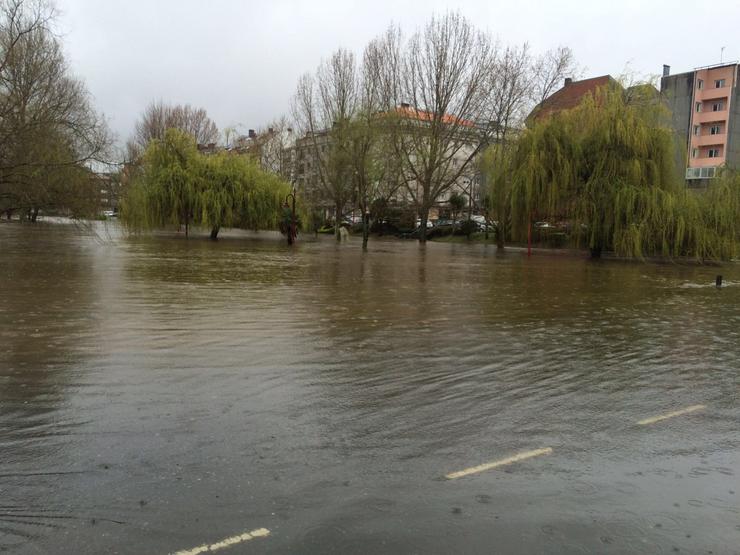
695, 153
700, 84
700, 173
698, 106
717, 107
714, 153
719, 83
715, 130
697, 129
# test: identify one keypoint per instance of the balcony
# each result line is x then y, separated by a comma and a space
710, 93
708, 116
720, 139
706, 162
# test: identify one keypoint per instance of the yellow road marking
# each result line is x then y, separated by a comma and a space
496, 464
655, 419
228, 542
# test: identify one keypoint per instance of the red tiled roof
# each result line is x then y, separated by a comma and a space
423, 115
570, 96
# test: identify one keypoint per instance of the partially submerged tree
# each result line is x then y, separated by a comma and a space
496, 167
324, 106
606, 167
180, 186
434, 90
49, 133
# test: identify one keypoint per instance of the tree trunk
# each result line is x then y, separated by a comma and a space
423, 218
337, 221
34, 215
596, 252
214, 232
365, 229
187, 224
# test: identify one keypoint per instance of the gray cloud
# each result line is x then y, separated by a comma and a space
240, 59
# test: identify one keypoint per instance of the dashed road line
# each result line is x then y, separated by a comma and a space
228, 542
687, 410
496, 464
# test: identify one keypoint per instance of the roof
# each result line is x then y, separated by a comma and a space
570, 95
423, 115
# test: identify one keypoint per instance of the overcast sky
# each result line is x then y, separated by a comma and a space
240, 59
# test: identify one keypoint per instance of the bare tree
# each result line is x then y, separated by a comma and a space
435, 88
49, 133
550, 70
158, 117
323, 106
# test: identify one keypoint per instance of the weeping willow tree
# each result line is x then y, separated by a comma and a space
606, 167
715, 219
177, 185
496, 166
236, 192
166, 191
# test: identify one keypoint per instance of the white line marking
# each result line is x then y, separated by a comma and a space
228, 542
496, 464
655, 419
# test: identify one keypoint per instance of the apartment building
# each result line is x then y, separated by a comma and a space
705, 115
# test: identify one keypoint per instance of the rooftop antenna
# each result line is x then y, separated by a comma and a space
721, 54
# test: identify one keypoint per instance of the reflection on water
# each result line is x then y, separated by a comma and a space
156, 393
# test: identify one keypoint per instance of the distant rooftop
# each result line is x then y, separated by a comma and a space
571, 95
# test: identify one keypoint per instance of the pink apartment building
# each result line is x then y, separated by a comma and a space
706, 119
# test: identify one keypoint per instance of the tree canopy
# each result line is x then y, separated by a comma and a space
177, 185
49, 133
606, 169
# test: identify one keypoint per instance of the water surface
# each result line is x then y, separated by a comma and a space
157, 394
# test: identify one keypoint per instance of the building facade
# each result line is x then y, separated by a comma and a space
401, 190
705, 116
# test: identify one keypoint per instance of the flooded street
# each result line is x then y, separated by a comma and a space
158, 394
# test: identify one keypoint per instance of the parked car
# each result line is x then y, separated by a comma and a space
430, 224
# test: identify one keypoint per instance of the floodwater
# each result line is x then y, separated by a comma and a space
160, 394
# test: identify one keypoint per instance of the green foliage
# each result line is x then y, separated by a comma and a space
180, 186
496, 167
457, 202
607, 168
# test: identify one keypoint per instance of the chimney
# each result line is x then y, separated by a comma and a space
568, 81
252, 134
666, 70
